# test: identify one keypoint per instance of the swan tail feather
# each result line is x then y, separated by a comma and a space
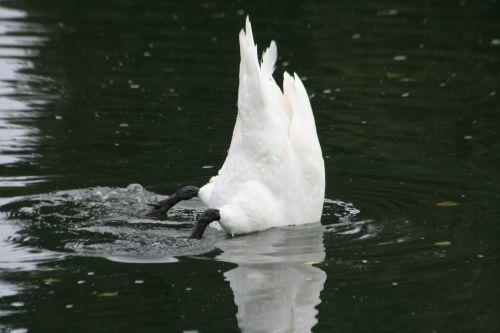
269, 58
262, 107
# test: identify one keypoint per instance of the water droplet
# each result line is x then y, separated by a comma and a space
81, 281
327, 91
139, 281
395, 284
467, 137
69, 306
406, 94
59, 117
400, 57
17, 304
356, 36
495, 42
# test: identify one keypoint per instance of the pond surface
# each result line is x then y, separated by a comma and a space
108, 105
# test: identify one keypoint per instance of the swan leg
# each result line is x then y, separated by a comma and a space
164, 205
202, 222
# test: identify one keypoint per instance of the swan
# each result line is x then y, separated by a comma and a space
274, 172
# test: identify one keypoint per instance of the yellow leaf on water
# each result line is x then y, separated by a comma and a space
109, 294
51, 280
443, 243
394, 75
447, 204
171, 93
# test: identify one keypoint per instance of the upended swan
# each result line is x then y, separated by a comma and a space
274, 172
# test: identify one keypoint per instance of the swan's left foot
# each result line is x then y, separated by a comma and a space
202, 222
164, 205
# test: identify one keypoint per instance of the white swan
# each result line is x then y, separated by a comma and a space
274, 172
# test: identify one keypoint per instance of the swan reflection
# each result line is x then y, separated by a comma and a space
276, 287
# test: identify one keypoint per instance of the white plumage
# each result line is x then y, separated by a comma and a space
274, 172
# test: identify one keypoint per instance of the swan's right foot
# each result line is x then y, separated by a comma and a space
164, 205
202, 222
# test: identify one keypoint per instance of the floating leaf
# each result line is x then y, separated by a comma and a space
171, 93
447, 204
387, 12
51, 280
443, 243
109, 294
394, 75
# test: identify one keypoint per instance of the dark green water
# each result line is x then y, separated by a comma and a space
98, 95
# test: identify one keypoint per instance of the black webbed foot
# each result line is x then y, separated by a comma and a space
164, 205
202, 222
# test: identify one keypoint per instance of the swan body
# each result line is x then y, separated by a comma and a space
274, 172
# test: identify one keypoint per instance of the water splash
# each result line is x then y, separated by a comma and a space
105, 222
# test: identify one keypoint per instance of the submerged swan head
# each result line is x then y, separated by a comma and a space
274, 172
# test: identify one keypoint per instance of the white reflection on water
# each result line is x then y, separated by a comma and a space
16, 140
18, 42
276, 286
